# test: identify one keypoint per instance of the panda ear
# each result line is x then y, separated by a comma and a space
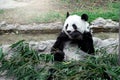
67, 15
84, 17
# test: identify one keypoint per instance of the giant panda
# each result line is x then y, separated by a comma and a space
75, 29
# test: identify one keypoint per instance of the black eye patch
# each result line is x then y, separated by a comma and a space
74, 26
66, 26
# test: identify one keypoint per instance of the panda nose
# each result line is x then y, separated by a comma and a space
68, 31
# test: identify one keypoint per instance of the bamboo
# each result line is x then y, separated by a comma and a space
119, 40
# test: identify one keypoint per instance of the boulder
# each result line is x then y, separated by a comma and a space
3, 23
104, 25
99, 22
111, 24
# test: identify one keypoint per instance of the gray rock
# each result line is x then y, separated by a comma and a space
49, 26
104, 23
43, 26
97, 41
7, 50
24, 27
3, 23
42, 48
98, 22
47, 45
5, 78
9, 27
108, 42
111, 45
111, 24
33, 45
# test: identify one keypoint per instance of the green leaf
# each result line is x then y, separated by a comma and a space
1, 53
111, 73
17, 43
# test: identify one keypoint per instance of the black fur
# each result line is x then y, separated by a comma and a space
76, 35
66, 26
57, 49
67, 15
86, 44
74, 26
84, 41
84, 17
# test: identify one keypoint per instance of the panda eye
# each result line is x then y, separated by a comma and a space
66, 26
74, 26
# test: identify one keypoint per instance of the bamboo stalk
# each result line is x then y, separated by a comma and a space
119, 39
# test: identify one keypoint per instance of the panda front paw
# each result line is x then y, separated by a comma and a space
58, 55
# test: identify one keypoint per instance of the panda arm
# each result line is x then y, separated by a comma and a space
60, 42
86, 44
57, 49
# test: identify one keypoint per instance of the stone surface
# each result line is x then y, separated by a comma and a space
42, 48
98, 22
3, 23
9, 27
111, 24
33, 44
43, 26
97, 41
30, 28
104, 23
5, 78
111, 45
108, 42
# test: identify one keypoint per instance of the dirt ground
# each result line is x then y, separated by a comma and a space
23, 10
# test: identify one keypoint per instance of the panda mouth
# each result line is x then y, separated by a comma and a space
68, 34
75, 35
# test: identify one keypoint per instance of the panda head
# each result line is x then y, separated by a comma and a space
75, 25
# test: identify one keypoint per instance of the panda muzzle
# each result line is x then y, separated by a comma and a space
74, 35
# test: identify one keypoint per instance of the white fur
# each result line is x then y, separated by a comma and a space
72, 52
75, 19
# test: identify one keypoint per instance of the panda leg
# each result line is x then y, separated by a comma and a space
57, 49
